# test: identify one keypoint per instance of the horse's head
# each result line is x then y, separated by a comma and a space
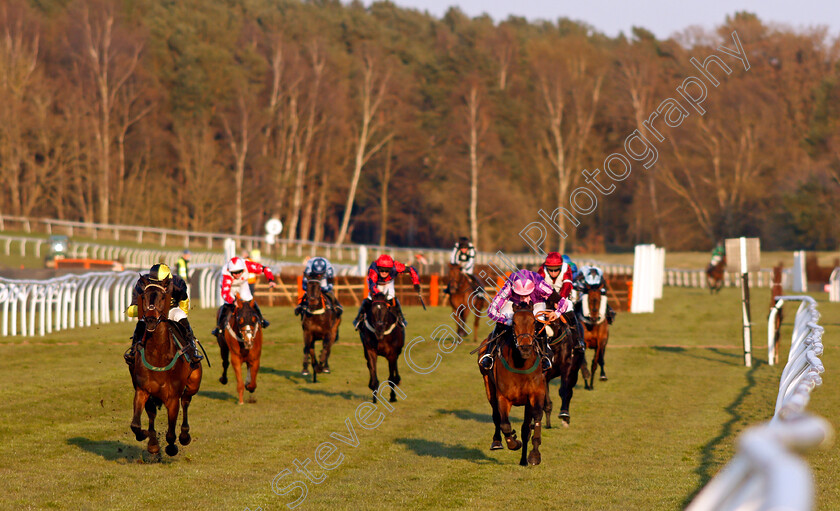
153, 302
313, 294
380, 314
593, 298
245, 321
454, 273
523, 327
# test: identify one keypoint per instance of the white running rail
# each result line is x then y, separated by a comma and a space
765, 474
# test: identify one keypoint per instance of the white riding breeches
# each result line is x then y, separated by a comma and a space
507, 311
244, 291
176, 314
387, 289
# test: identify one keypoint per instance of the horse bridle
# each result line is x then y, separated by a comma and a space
154, 322
238, 334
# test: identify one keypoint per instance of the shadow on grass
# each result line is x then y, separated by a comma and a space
215, 394
289, 375
344, 394
109, 449
467, 415
692, 352
423, 447
707, 461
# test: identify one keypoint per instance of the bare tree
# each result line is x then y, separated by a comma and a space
374, 86
477, 124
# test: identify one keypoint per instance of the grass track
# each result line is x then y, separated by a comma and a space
647, 439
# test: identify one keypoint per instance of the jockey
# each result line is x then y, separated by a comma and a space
235, 280
558, 273
591, 277
523, 286
380, 279
178, 309
463, 254
718, 253
320, 268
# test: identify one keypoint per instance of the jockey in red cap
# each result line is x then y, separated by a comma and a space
380, 279
558, 274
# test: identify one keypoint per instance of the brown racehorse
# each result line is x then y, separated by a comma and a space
516, 379
159, 372
382, 335
714, 275
464, 292
242, 341
596, 333
775, 292
565, 363
319, 323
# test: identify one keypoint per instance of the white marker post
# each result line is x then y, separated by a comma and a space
745, 304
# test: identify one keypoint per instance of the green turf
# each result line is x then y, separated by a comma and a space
649, 438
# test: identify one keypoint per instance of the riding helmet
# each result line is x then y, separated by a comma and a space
553, 261
319, 266
463, 242
160, 273
384, 262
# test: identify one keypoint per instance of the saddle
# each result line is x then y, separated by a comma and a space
326, 304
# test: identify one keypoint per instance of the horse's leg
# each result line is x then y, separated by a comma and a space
548, 406
191, 389
504, 420
140, 398
172, 407
526, 433
594, 366
326, 347
490, 389
536, 440
393, 376
236, 361
568, 380
584, 368
305, 370
254, 367
373, 383
309, 337
602, 348
151, 410
225, 351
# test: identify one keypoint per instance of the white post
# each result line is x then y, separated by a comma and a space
800, 278
834, 286
745, 304
363, 260
771, 332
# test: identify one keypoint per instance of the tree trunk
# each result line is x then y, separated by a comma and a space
473, 107
383, 197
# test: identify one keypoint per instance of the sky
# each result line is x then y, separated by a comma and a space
662, 17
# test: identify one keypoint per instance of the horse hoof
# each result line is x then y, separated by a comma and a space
171, 450
223, 380
251, 389
534, 458
241, 402
603, 378
514, 445
139, 434
326, 370
185, 438
496, 445
393, 398
304, 373
153, 448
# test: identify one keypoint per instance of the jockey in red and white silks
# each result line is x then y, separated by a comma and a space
235, 281
558, 274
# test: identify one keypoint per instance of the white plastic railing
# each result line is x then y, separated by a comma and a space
64, 302
765, 474
834, 286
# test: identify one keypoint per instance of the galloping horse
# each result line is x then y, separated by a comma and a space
159, 372
320, 323
714, 275
242, 340
382, 335
463, 292
596, 333
565, 363
516, 379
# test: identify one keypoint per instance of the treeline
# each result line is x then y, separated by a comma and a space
388, 125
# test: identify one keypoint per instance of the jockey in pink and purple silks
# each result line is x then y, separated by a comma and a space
522, 286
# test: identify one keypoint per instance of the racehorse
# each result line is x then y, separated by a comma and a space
160, 373
565, 363
775, 292
516, 379
242, 341
714, 275
596, 333
462, 291
320, 323
383, 335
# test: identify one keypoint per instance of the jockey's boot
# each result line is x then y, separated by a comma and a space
299, 306
578, 328
337, 306
224, 316
135, 341
610, 315
486, 360
361, 313
547, 354
399, 312
191, 350
264, 322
